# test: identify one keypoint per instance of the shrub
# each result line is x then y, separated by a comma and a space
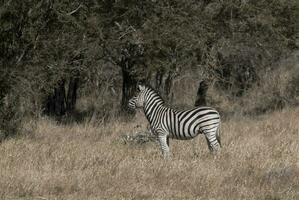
276, 89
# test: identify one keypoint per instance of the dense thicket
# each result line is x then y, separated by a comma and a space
53, 52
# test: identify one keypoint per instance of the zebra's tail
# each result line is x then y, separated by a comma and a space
218, 135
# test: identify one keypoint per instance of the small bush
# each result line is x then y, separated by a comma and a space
10, 120
276, 89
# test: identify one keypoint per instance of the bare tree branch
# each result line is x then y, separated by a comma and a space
74, 11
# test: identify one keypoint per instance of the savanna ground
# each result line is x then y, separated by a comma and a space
259, 160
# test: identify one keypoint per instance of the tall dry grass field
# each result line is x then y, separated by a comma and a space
259, 160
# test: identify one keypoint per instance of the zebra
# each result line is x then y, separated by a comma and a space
132, 103
132, 106
169, 123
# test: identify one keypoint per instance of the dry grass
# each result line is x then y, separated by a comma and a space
260, 160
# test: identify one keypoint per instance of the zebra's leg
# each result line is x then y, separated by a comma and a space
212, 141
164, 145
209, 144
150, 133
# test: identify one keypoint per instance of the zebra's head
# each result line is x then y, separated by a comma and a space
132, 103
144, 96
138, 100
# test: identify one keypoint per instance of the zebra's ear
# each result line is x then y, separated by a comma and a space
141, 87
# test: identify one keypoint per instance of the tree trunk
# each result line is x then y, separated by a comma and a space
55, 103
163, 83
59, 99
168, 86
201, 94
58, 103
132, 59
72, 94
128, 87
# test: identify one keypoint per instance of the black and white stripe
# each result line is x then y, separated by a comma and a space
168, 123
132, 103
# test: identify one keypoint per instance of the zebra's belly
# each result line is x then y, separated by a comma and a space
183, 135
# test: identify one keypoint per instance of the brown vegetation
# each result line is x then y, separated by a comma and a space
259, 160
68, 68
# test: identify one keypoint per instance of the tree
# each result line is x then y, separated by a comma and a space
201, 94
52, 50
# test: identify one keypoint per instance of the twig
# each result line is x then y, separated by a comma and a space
72, 12
129, 30
42, 198
118, 25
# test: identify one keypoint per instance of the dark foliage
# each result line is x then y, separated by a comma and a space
53, 52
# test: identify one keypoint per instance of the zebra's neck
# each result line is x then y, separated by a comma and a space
152, 105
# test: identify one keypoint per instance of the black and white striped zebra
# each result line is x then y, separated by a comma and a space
132, 103
168, 123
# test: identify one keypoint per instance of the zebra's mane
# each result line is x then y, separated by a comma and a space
150, 88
